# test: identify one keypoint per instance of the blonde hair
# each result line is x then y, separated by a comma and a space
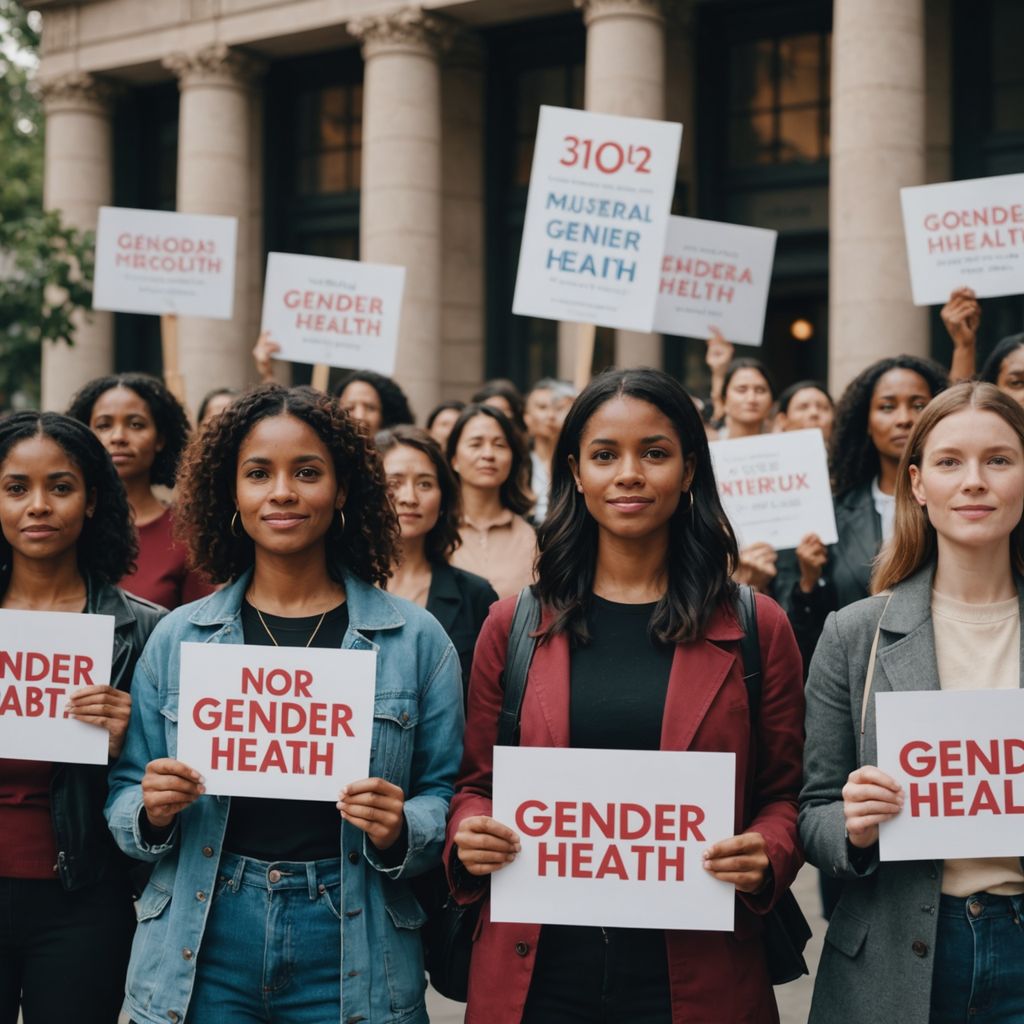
913, 542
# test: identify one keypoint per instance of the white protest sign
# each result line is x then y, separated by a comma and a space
613, 838
333, 312
965, 233
43, 657
959, 757
775, 487
715, 275
151, 261
597, 211
276, 721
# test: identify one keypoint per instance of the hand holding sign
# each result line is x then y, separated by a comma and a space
168, 787
740, 861
376, 807
106, 707
869, 798
485, 845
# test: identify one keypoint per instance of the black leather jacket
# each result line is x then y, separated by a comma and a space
86, 852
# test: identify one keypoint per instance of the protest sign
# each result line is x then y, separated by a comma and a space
775, 487
43, 657
613, 838
151, 261
333, 312
596, 214
959, 757
276, 722
965, 233
715, 275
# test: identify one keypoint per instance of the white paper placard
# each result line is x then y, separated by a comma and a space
43, 657
613, 838
596, 214
965, 233
775, 487
338, 312
715, 275
276, 721
959, 756
152, 261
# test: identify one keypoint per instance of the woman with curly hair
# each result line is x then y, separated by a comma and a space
253, 902
425, 495
489, 457
66, 540
145, 429
374, 400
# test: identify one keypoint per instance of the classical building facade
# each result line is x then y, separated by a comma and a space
403, 134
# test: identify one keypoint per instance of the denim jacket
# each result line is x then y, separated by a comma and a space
416, 744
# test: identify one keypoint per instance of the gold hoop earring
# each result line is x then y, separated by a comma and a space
235, 532
341, 517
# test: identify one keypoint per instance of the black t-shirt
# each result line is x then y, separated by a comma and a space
274, 829
618, 682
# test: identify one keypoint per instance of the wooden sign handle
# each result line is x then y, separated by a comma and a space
321, 377
169, 345
585, 337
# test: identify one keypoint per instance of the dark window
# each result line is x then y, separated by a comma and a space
328, 140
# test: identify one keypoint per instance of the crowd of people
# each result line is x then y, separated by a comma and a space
290, 517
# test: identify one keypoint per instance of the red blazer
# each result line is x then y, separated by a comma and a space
714, 976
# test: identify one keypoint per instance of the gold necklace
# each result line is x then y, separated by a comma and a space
274, 638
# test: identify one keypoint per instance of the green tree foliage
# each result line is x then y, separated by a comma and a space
45, 267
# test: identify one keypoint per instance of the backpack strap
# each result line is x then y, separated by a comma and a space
521, 645
750, 646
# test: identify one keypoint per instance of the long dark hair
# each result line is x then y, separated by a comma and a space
443, 537
747, 363
502, 388
515, 491
107, 546
206, 503
994, 363
702, 552
852, 455
167, 412
394, 405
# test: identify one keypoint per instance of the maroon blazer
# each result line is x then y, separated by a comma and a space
714, 976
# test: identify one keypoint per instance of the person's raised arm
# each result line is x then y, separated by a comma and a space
961, 317
719, 355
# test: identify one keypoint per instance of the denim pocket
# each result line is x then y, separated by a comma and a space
330, 897
149, 945
403, 954
394, 728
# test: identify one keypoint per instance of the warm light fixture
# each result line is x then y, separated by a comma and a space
801, 329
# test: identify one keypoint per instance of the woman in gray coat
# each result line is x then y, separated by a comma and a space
921, 942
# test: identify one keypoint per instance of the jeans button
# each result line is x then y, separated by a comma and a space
919, 948
522, 949
975, 908
353, 857
207, 851
274, 876
201, 896
186, 954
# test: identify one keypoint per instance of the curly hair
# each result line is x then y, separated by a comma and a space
443, 537
702, 552
515, 491
167, 412
206, 488
107, 546
394, 406
852, 455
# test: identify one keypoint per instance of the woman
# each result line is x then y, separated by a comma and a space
145, 429
425, 497
804, 406
919, 941
441, 420
747, 394
875, 416
214, 403
488, 455
286, 503
374, 400
1005, 367
634, 581
503, 395
66, 541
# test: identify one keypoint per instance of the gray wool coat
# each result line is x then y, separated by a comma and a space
876, 966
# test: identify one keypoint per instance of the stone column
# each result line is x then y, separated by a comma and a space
878, 146
400, 213
216, 154
625, 74
78, 180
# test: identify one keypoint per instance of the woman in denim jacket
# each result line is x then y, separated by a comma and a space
277, 910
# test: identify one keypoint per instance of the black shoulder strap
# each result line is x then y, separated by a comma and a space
521, 644
750, 645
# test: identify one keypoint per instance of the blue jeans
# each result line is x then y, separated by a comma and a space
979, 961
271, 949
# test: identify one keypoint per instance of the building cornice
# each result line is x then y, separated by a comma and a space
410, 30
